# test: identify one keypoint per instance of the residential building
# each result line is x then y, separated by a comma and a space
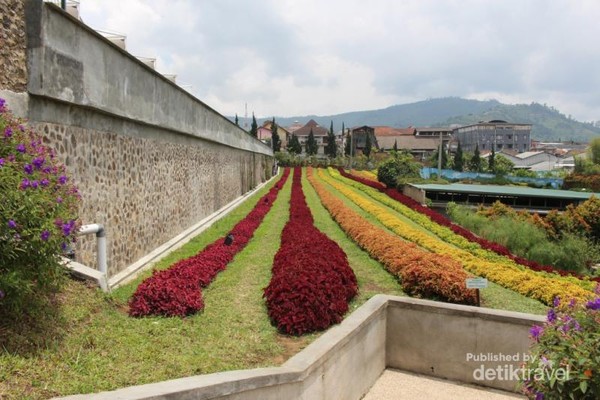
318, 131
420, 142
264, 133
496, 134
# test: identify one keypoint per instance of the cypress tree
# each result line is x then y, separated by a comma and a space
368, 146
237, 121
293, 146
476, 160
311, 144
331, 148
396, 145
275, 140
348, 147
492, 161
458, 159
254, 127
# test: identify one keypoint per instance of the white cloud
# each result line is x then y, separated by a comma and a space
291, 57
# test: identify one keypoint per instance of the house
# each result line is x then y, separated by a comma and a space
533, 160
496, 134
420, 142
302, 133
264, 133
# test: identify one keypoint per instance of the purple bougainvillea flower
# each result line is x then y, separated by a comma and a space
45, 235
8, 132
551, 315
25, 183
539, 396
28, 169
2, 104
62, 179
21, 148
67, 228
35, 184
44, 182
556, 301
593, 305
1, 162
59, 200
38, 162
12, 224
536, 331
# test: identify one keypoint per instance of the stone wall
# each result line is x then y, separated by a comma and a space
146, 190
149, 158
13, 61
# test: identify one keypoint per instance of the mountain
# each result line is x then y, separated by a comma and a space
548, 124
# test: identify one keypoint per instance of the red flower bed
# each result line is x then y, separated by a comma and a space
312, 281
177, 290
441, 220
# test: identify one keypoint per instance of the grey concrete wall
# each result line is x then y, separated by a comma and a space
149, 158
414, 193
387, 331
442, 340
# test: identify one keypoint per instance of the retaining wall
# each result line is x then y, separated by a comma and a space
149, 158
387, 331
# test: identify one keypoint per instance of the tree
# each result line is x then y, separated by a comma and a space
400, 168
331, 148
435, 157
368, 146
475, 164
458, 159
492, 161
293, 146
254, 127
311, 144
594, 150
396, 145
502, 165
348, 147
237, 121
275, 140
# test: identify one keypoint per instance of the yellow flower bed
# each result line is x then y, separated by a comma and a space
537, 285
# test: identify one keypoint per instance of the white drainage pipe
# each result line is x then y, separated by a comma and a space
101, 241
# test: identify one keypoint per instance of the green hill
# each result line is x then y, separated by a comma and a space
548, 123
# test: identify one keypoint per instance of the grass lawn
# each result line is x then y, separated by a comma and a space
89, 343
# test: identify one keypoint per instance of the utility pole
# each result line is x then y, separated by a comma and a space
440, 155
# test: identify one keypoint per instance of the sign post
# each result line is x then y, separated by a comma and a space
477, 283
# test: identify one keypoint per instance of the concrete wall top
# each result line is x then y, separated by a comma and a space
70, 62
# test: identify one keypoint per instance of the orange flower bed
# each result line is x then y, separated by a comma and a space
421, 273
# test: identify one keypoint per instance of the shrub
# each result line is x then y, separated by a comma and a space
38, 217
565, 353
397, 169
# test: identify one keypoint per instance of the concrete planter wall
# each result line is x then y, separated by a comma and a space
387, 331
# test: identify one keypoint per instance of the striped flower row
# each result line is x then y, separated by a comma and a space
540, 286
177, 291
421, 273
447, 234
441, 220
312, 281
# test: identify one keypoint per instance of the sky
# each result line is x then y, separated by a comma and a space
288, 58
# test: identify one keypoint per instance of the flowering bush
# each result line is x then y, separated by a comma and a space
565, 354
312, 281
177, 291
38, 215
421, 273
